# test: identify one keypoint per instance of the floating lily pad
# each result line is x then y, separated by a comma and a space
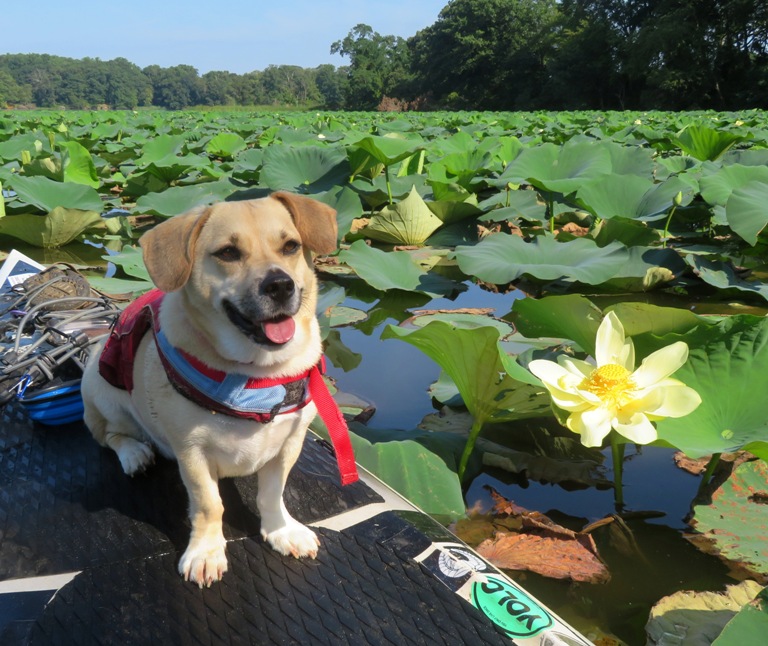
47, 195
180, 199
392, 454
734, 526
727, 365
501, 258
304, 169
393, 270
560, 169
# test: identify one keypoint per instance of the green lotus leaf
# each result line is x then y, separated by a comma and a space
716, 188
614, 195
14, 148
55, 229
304, 169
749, 626
77, 164
248, 164
173, 167
393, 270
460, 168
131, 261
502, 258
560, 317
734, 526
631, 160
560, 169
475, 362
450, 211
644, 318
727, 365
723, 276
705, 143
160, 148
518, 204
48, 195
420, 465
632, 197
746, 210
225, 144
462, 319
388, 150
180, 199
630, 233
690, 617
409, 222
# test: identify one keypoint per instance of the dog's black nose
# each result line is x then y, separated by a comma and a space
278, 285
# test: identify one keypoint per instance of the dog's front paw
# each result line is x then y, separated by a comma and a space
294, 539
204, 562
135, 456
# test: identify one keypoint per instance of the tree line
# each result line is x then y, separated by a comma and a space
479, 54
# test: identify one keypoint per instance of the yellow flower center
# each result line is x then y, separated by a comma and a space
610, 382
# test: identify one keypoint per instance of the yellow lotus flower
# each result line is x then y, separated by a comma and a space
612, 394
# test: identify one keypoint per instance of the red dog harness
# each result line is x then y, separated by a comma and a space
228, 393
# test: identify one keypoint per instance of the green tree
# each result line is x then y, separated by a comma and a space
11, 92
487, 54
332, 84
174, 87
379, 66
126, 86
289, 85
218, 88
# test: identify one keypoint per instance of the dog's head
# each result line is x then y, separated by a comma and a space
244, 270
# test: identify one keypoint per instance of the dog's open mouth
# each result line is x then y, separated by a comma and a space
275, 331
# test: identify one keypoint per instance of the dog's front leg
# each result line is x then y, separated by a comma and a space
204, 560
283, 532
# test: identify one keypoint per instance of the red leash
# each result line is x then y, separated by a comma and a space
337, 426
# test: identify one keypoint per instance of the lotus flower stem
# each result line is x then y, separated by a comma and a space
617, 454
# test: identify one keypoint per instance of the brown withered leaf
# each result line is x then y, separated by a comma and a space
543, 546
698, 466
551, 554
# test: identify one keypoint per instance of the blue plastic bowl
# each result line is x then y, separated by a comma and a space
54, 405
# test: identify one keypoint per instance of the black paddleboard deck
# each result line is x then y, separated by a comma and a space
89, 556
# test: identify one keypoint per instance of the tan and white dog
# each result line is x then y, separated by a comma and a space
240, 297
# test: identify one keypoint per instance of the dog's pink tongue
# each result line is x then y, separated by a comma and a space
280, 330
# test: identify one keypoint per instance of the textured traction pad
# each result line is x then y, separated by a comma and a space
65, 506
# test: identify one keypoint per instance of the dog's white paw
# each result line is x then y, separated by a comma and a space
204, 562
293, 539
135, 456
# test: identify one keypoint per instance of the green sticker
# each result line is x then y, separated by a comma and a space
510, 608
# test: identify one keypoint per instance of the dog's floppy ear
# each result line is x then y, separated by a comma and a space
169, 248
315, 221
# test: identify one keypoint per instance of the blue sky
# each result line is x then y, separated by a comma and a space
233, 35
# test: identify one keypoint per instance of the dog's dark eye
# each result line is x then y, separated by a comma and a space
230, 253
291, 247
